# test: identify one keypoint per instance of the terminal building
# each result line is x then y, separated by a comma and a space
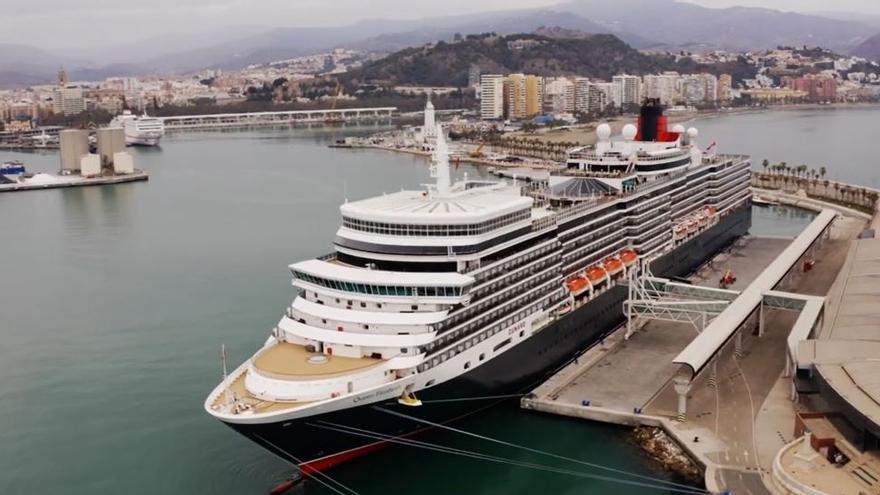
841, 367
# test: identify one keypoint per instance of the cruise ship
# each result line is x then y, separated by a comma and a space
140, 130
437, 302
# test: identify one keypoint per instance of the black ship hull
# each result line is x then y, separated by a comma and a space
316, 442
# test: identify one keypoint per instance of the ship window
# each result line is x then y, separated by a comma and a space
403, 350
482, 356
363, 304
467, 365
414, 307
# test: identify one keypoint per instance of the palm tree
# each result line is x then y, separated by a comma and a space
822, 171
765, 164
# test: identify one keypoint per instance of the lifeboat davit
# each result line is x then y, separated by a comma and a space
613, 266
596, 274
628, 256
577, 285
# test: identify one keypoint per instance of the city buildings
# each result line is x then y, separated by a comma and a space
663, 86
559, 95
626, 90
492, 96
816, 87
725, 87
68, 100
697, 88
524, 95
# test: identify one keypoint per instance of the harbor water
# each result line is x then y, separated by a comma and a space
114, 302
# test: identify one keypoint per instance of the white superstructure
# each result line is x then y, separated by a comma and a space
140, 130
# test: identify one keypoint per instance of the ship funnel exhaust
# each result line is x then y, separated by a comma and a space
652, 123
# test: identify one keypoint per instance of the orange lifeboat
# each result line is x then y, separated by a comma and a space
613, 266
711, 211
596, 274
577, 285
680, 230
628, 256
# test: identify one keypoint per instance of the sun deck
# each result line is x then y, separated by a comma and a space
294, 362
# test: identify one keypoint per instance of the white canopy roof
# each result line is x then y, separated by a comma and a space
698, 353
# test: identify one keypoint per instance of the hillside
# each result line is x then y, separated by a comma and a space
447, 64
870, 48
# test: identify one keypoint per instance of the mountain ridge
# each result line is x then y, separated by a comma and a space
655, 24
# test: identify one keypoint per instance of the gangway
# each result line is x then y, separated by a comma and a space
654, 298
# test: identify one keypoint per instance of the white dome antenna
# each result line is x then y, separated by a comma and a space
603, 132
629, 132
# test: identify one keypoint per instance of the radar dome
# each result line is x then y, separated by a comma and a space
678, 128
629, 132
693, 132
603, 132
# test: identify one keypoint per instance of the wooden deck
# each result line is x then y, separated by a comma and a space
294, 362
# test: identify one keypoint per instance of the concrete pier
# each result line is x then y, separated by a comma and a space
59, 181
712, 416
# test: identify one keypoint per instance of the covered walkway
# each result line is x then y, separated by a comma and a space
740, 313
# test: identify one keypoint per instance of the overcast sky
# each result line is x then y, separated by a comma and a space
77, 23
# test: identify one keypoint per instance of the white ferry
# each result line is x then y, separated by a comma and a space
140, 130
475, 289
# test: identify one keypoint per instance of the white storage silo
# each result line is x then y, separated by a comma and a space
74, 144
111, 140
123, 163
90, 165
